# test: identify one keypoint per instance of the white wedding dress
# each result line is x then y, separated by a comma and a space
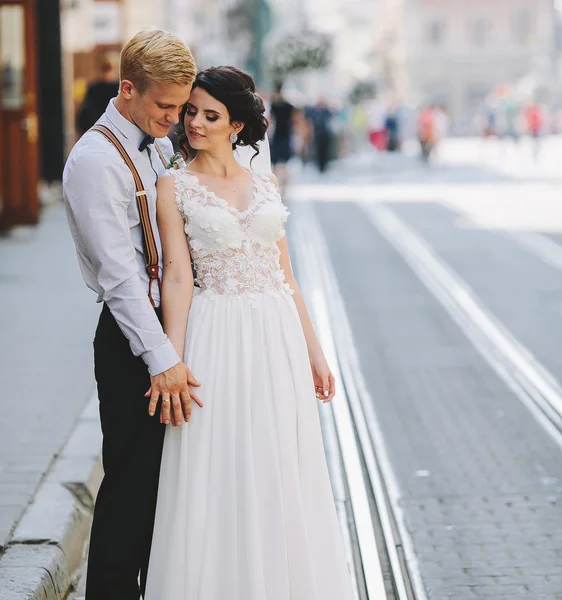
245, 508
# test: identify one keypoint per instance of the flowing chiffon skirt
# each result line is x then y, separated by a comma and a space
245, 507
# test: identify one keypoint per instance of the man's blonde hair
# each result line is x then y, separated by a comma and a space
157, 56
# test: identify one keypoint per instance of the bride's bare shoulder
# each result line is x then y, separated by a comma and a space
166, 183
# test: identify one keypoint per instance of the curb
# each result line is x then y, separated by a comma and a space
47, 546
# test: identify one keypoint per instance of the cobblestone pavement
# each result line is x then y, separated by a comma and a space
480, 481
46, 323
523, 291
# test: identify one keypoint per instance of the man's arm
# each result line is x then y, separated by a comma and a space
97, 198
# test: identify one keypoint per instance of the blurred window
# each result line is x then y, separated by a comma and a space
436, 32
524, 26
12, 57
481, 30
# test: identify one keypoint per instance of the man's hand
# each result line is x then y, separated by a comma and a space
174, 385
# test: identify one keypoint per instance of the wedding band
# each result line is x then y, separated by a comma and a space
166, 401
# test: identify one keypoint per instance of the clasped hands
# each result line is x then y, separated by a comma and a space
174, 386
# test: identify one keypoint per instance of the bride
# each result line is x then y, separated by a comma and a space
245, 508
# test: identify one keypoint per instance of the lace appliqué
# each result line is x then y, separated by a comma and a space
234, 252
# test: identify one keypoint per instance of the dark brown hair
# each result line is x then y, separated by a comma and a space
237, 91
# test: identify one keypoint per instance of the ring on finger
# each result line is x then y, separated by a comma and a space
166, 400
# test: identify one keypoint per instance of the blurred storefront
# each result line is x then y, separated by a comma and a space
91, 32
31, 113
19, 127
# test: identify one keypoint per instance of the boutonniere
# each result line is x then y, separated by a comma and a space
176, 162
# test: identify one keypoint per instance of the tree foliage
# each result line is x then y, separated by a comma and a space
295, 53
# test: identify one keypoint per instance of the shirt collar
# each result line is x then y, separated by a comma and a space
129, 130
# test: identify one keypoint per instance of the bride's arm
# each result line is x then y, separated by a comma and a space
324, 382
177, 280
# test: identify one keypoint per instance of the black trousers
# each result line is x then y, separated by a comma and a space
322, 151
132, 449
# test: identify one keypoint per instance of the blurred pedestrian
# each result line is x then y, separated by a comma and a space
98, 95
534, 116
302, 136
510, 111
320, 117
376, 117
441, 124
534, 119
427, 132
282, 115
489, 122
392, 131
358, 127
340, 125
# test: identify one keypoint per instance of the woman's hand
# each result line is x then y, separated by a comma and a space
324, 382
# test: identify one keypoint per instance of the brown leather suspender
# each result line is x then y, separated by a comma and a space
162, 158
149, 243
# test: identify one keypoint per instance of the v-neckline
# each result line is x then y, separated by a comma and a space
222, 201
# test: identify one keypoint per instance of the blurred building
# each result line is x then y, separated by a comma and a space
350, 23
456, 51
228, 32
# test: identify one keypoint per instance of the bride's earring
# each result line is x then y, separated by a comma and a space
233, 137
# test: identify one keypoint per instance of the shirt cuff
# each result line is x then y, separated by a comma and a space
161, 359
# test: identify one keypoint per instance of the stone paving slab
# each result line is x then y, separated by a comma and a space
46, 549
517, 287
47, 322
480, 481
33, 573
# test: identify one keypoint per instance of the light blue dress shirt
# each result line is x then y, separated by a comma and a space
99, 194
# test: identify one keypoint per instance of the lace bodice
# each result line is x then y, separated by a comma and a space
234, 252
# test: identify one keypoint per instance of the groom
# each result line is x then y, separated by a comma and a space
131, 350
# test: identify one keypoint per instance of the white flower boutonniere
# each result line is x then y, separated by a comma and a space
176, 162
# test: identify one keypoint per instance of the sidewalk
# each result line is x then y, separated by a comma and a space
47, 324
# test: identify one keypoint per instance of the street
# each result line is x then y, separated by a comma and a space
437, 293
450, 276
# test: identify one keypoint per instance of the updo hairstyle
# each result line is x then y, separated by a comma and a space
237, 91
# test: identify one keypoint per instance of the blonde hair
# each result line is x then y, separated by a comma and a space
157, 56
